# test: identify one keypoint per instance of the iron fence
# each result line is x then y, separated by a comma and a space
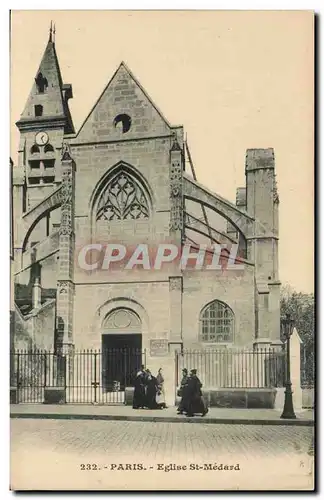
91, 376
232, 368
87, 376
307, 366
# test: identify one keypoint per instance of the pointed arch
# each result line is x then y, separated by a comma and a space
122, 193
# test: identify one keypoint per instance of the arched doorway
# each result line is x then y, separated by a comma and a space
121, 348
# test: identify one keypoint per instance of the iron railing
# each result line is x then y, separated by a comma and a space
233, 368
87, 376
307, 366
91, 376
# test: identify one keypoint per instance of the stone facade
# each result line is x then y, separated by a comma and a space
69, 191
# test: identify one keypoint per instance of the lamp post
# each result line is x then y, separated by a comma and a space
287, 329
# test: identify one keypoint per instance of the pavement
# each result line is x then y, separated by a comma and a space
127, 413
53, 454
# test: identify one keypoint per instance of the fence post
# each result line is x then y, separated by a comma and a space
125, 363
45, 369
295, 343
56, 394
176, 359
95, 383
14, 391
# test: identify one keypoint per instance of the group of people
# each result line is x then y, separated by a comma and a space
149, 390
191, 395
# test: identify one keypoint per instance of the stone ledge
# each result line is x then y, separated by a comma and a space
169, 419
129, 393
308, 397
228, 397
239, 398
13, 395
54, 395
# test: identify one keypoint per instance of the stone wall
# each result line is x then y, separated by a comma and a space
48, 273
144, 150
150, 160
36, 193
35, 330
23, 336
308, 398
43, 324
93, 303
201, 287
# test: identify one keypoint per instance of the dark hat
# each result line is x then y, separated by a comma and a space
194, 371
185, 370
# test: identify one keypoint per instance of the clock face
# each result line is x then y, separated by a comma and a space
41, 138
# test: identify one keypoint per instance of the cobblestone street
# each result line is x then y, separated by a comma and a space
51, 454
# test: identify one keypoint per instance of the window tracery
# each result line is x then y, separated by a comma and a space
217, 323
123, 198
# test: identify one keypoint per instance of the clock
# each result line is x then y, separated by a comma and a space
41, 138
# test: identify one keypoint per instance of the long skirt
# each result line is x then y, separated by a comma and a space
185, 400
139, 396
150, 400
183, 406
196, 404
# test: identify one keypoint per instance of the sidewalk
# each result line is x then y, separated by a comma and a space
122, 412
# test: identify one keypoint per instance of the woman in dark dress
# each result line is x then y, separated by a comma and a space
183, 392
139, 390
195, 402
151, 391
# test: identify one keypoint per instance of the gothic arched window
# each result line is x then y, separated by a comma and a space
217, 323
123, 198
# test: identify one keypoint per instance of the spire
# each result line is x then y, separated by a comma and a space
50, 33
48, 98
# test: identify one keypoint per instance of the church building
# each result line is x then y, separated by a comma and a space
126, 178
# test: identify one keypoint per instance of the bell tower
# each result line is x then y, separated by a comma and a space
45, 120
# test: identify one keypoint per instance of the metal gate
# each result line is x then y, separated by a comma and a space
87, 376
102, 376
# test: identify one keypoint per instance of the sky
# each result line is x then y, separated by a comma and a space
234, 79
